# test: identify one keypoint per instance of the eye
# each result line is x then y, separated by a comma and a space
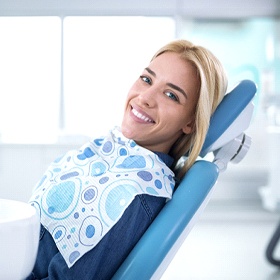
172, 96
146, 79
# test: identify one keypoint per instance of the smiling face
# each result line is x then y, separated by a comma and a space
161, 104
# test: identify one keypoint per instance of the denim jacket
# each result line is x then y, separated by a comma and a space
102, 261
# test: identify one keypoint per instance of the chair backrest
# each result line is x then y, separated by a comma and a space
157, 247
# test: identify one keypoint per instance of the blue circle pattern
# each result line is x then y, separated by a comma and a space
84, 193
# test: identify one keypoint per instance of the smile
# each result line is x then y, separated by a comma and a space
141, 116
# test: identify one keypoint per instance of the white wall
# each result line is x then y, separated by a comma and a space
21, 167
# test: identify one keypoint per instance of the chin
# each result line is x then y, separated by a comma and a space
126, 132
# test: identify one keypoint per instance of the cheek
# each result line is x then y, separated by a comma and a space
128, 97
131, 93
179, 118
190, 109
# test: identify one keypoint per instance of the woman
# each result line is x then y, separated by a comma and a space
167, 114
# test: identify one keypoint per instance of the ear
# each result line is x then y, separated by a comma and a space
189, 128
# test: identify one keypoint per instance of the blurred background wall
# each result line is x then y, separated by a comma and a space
66, 66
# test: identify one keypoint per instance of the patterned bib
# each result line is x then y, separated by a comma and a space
83, 194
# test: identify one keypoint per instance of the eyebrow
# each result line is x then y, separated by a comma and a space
169, 84
150, 71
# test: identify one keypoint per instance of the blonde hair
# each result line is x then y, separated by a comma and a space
213, 85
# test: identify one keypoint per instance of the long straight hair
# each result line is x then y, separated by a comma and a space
213, 85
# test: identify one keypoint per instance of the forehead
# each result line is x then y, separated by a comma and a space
170, 60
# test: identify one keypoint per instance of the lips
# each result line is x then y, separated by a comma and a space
141, 116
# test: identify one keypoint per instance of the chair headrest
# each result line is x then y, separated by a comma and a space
228, 111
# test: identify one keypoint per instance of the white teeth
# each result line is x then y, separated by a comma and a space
140, 116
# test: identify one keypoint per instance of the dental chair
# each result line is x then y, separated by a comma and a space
226, 142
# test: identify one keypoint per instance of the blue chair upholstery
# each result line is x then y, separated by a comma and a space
157, 247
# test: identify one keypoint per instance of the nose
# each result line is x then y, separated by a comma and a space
148, 98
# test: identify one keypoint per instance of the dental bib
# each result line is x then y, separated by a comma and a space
83, 194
